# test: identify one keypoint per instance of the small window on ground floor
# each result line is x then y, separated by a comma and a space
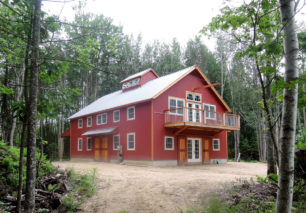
216, 144
131, 141
116, 142
169, 143
80, 144
89, 144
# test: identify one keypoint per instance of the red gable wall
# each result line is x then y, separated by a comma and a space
178, 90
147, 77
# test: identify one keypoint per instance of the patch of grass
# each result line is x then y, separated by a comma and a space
83, 186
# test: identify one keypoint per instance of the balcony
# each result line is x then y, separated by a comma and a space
193, 119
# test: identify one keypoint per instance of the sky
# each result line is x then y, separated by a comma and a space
160, 20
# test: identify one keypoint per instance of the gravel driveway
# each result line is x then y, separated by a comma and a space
151, 189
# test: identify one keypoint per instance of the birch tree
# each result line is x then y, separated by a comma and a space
288, 129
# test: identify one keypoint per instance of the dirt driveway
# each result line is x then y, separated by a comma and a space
151, 189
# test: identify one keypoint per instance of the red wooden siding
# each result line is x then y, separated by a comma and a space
141, 126
161, 103
147, 77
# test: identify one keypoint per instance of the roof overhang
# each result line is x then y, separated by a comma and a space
103, 131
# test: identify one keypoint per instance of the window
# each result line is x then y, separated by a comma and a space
89, 121
193, 97
176, 103
89, 144
131, 83
197, 98
131, 113
189, 96
131, 141
116, 116
102, 119
80, 123
169, 143
210, 111
80, 144
216, 144
116, 142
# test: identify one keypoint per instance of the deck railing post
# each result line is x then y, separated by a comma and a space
223, 119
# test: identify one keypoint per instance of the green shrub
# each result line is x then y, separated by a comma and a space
9, 166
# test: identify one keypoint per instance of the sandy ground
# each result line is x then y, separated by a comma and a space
151, 189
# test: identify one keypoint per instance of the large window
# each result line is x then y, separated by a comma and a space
116, 116
80, 123
89, 121
89, 144
169, 143
131, 113
116, 142
131, 141
210, 111
175, 103
216, 144
80, 144
102, 118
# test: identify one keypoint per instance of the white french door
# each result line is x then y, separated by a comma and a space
194, 149
194, 112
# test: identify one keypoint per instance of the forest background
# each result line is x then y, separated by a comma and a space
87, 58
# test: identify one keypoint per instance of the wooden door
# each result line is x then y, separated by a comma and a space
104, 153
206, 151
97, 149
182, 150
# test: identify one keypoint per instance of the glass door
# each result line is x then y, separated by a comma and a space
194, 150
194, 112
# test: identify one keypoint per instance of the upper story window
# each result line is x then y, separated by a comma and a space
193, 97
89, 144
116, 116
175, 103
80, 123
216, 144
102, 118
210, 111
131, 83
169, 143
116, 142
89, 121
131, 113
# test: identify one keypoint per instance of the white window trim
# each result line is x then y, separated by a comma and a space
127, 141
114, 116
102, 118
114, 142
217, 139
172, 143
80, 139
87, 144
127, 113
215, 118
193, 94
80, 127
175, 98
90, 117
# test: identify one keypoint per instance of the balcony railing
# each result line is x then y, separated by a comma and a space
198, 117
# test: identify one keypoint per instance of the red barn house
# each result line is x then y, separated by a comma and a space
176, 119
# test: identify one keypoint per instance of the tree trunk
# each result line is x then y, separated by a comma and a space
287, 139
17, 99
31, 139
25, 118
4, 105
237, 145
